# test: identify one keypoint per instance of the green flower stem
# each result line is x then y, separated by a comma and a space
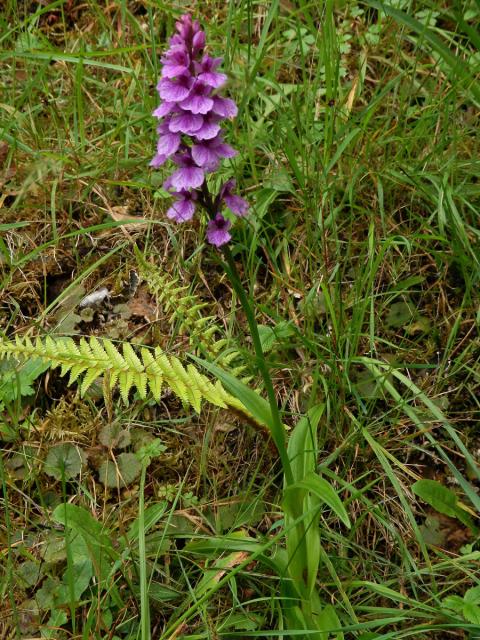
277, 428
142, 557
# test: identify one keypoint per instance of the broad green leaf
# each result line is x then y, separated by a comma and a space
455, 603
242, 512
151, 516
267, 337
368, 386
241, 622
299, 565
437, 496
114, 436
157, 544
236, 541
64, 461
29, 573
431, 532
82, 573
329, 623
302, 444
54, 550
325, 492
312, 543
303, 539
98, 542
212, 574
472, 595
120, 473
152, 449
16, 379
159, 592
240, 541
81, 521
57, 618
442, 499
46, 596
400, 314
471, 612
271, 335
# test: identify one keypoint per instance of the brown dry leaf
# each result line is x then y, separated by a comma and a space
132, 223
9, 173
142, 307
235, 559
351, 96
4, 146
7, 194
119, 214
180, 629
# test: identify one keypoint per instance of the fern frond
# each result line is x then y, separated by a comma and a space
146, 370
184, 308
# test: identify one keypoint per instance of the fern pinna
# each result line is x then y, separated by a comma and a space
148, 371
185, 308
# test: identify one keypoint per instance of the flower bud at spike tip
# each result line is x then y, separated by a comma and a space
190, 131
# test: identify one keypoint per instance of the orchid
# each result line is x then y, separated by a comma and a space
190, 133
217, 230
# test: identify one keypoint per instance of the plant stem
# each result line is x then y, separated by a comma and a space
278, 430
142, 559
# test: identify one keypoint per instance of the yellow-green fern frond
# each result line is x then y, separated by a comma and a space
147, 371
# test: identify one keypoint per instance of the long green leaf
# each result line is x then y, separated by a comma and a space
325, 492
255, 404
302, 443
58, 56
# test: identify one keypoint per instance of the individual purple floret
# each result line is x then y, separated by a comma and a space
207, 153
184, 207
188, 176
217, 230
236, 204
208, 75
190, 134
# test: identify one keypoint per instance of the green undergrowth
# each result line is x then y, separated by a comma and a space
167, 516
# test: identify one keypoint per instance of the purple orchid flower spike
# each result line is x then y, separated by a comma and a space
190, 133
210, 127
185, 122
